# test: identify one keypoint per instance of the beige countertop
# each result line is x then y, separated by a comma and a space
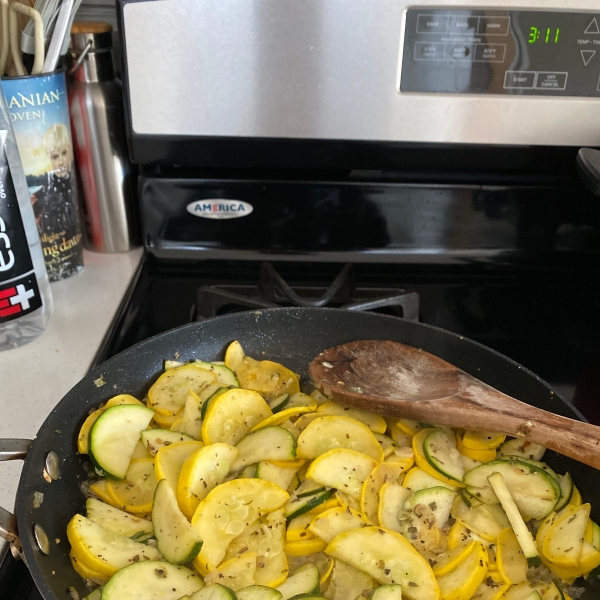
36, 376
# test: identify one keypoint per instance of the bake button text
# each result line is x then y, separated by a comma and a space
432, 24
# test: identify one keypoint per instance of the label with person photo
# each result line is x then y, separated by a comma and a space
39, 113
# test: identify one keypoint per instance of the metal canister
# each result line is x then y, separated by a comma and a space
98, 124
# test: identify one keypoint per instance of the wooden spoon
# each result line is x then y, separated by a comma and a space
399, 380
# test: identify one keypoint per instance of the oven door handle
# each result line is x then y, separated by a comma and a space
11, 449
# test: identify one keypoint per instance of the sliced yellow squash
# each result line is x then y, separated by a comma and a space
191, 421
268, 378
235, 573
304, 547
451, 559
376, 423
334, 521
284, 415
103, 551
328, 433
201, 472
389, 558
482, 440
169, 461
297, 528
492, 587
168, 394
232, 415
122, 399
134, 494
227, 510
510, 558
563, 540
166, 421
84, 432
461, 582
342, 469
369, 494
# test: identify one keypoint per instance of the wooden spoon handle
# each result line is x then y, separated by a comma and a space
479, 406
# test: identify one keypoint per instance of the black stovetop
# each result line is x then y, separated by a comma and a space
545, 313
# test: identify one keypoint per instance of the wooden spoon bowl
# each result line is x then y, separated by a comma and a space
399, 380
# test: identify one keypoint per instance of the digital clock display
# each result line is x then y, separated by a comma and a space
548, 35
497, 51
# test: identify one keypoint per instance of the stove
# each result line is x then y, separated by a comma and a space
356, 155
513, 265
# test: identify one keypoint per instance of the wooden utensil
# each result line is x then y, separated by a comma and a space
399, 380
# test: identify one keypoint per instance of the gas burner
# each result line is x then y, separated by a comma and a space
273, 291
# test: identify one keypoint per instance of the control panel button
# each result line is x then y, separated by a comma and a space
432, 24
458, 52
429, 51
490, 52
586, 56
464, 24
519, 80
593, 27
547, 80
494, 25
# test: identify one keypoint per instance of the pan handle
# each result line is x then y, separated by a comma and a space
11, 449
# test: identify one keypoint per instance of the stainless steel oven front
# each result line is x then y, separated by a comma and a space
487, 72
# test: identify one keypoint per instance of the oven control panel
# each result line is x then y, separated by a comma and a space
523, 52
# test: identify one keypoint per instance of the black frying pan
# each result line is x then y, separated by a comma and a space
293, 336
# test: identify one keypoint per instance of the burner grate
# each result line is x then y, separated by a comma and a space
273, 291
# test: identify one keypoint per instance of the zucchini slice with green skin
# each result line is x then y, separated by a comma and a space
114, 436
299, 505
118, 521
439, 499
258, 592
279, 403
152, 580
96, 594
387, 592
224, 375
267, 443
176, 539
534, 491
518, 447
305, 580
155, 439
443, 456
523, 534
309, 488
214, 591
214, 395
565, 483
536, 463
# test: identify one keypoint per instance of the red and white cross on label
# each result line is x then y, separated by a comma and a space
15, 300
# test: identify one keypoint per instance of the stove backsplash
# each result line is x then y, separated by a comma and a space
368, 222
